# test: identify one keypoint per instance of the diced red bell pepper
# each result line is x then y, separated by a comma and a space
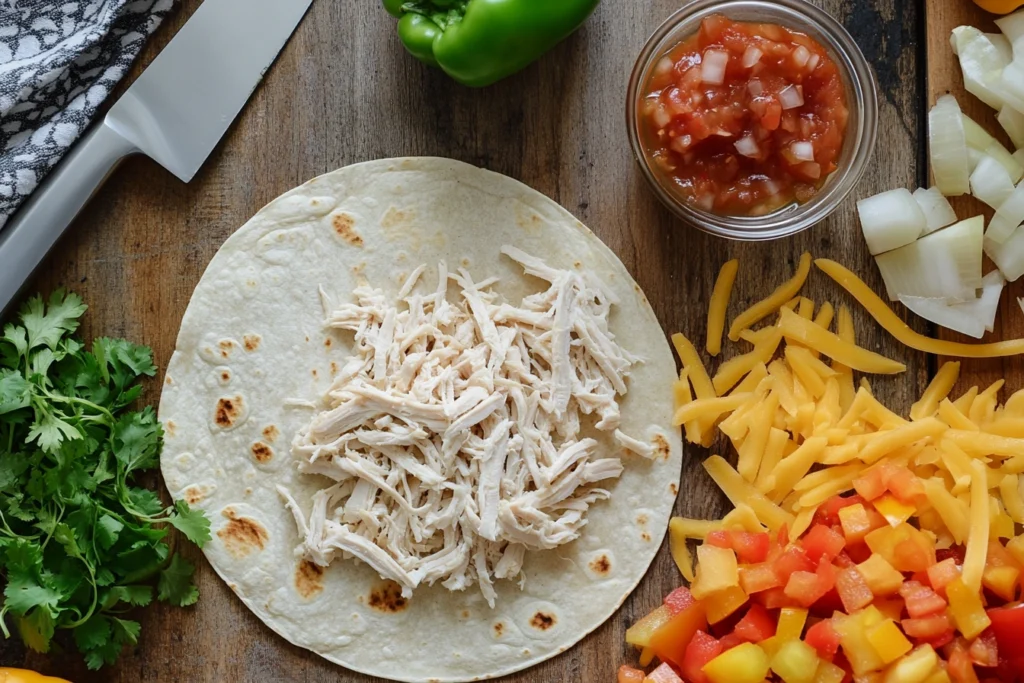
664, 674
670, 640
794, 559
853, 590
775, 598
755, 578
823, 638
719, 539
941, 573
999, 556
1008, 629
921, 601
984, 651
958, 662
822, 541
807, 588
756, 625
701, 650
679, 599
928, 628
750, 547
731, 640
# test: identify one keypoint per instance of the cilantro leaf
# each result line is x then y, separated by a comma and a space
22, 593
175, 585
15, 391
192, 523
93, 633
107, 531
46, 325
36, 629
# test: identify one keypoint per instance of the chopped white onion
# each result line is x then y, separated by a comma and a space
954, 317
812, 63
772, 187
754, 87
980, 139
1002, 44
1012, 26
661, 117
991, 288
791, 97
943, 265
803, 150
981, 63
1008, 216
664, 66
937, 210
801, 55
890, 220
1008, 256
1012, 122
713, 66
706, 201
1011, 85
991, 183
947, 147
747, 146
751, 56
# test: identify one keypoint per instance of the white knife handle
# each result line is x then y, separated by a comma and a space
36, 227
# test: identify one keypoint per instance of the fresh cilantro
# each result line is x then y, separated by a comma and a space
81, 541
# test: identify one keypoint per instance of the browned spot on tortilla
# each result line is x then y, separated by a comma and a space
465, 263
271, 432
327, 342
168, 381
345, 228
226, 346
193, 494
641, 519
314, 372
465, 614
170, 427
542, 621
251, 342
393, 218
673, 489
636, 288
334, 368
262, 452
309, 579
228, 411
242, 535
225, 376
307, 339
386, 596
499, 630
661, 447
601, 565
646, 536
577, 264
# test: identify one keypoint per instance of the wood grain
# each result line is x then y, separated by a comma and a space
944, 77
344, 91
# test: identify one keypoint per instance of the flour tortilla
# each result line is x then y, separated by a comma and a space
252, 339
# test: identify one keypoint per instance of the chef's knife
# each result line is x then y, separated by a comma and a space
175, 113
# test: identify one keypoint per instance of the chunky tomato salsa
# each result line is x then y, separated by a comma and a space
743, 119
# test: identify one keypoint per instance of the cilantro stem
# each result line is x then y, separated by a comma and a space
79, 401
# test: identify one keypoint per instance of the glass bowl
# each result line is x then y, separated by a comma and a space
861, 99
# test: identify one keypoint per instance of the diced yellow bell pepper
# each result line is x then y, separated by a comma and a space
723, 603
855, 521
771, 645
895, 511
639, 634
889, 641
791, 623
646, 656
891, 608
853, 637
1016, 547
966, 608
881, 577
828, 672
914, 668
746, 663
938, 675
716, 571
795, 662
904, 547
1002, 581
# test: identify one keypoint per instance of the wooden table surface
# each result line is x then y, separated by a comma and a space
344, 91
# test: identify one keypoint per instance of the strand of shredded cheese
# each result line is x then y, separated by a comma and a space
762, 309
805, 332
719, 304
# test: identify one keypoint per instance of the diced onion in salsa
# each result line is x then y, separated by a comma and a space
743, 118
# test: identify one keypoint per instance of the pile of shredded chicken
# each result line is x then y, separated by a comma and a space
453, 433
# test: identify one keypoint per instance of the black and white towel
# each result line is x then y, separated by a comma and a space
59, 59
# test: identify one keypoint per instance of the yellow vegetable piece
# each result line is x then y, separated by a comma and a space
893, 509
639, 634
938, 675
880, 576
719, 304
977, 539
889, 642
914, 668
828, 672
716, 571
680, 553
795, 662
1015, 546
937, 391
762, 309
803, 521
901, 331
681, 392
745, 663
791, 623
853, 638
708, 410
966, 608
752, 449
738, 490
808, 334
723, 603
1002, 581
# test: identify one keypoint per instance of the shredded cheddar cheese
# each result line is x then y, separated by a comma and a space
766, 307
719, 304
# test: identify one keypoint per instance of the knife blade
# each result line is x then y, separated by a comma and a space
175, 112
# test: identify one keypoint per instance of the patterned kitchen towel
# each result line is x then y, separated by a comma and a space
59, 59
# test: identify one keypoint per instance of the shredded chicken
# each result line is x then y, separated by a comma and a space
453, 434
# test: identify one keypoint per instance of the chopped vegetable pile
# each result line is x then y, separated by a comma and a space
863, 546
79, 545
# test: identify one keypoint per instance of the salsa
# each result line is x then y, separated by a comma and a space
743, 118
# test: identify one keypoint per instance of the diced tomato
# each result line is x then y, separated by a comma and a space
941, 573
701, 650
823, 638
775, 598
1008, 629
959, 664
731, 640
870, 485
750, 547
984, 651
719, 539
828, 513
822, 541
921, 601
755, 578
664, 674
628, 674
679, 599
807, 588
792, 560
853, 590
670, 640
928, 628
905, 485
756, 625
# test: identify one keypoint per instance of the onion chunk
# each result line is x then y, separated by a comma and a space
947, 147
943, 265
890, 220
991, 183
937, 210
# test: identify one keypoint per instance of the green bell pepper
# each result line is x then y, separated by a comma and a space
478, 42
